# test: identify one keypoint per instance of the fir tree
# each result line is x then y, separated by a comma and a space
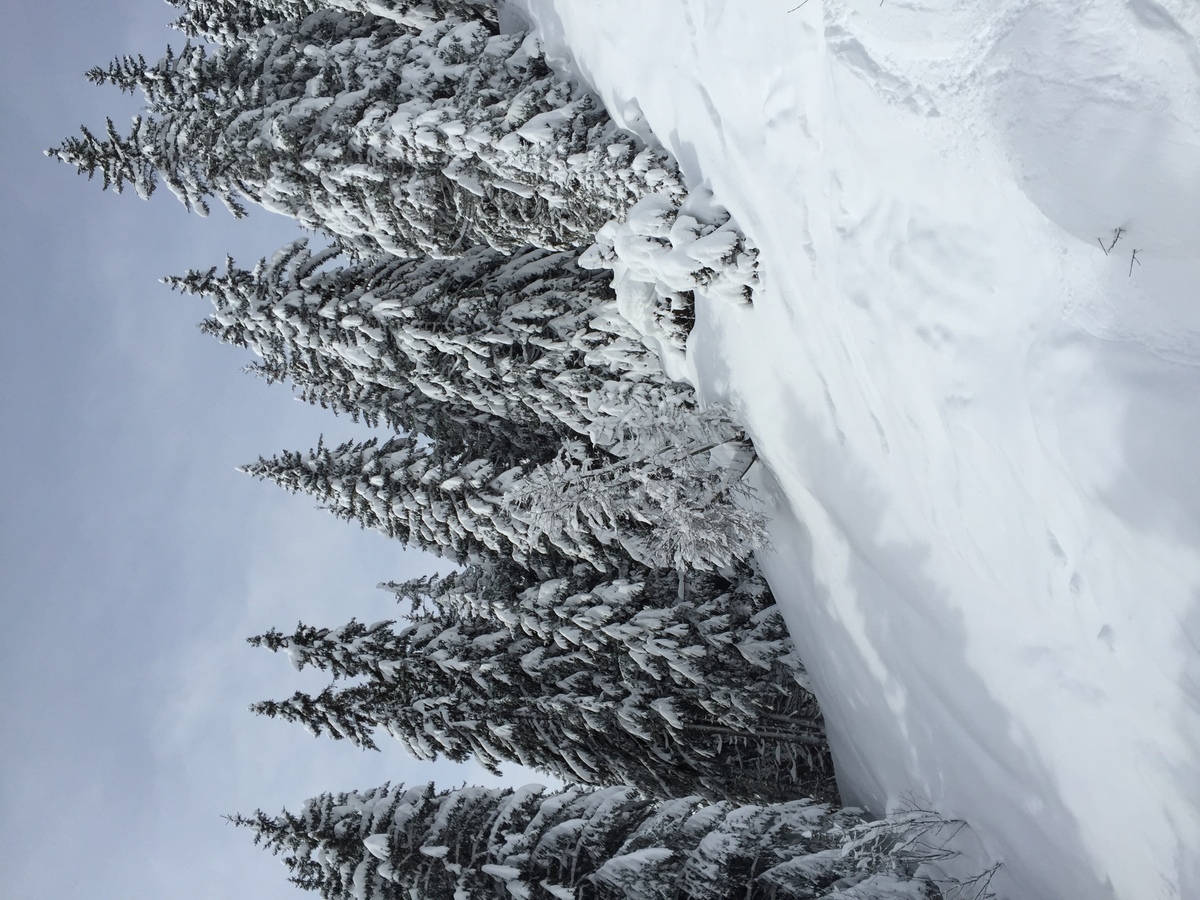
528, 339
710, 656
228, 20
722, 641
668, 494
454, 502
475, 843
412, 144
338, 336
602, 686
440, 499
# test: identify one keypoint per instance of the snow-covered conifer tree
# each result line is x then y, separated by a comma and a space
528, 338
710, 667
603, 685
424, 143
395, 843
441, 499
675, 249
455, 688
667, 494
228, 20
339, 335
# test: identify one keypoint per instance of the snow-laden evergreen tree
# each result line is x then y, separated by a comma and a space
668, 494
721, 641
340, 337
442, 499
676, 249
398, 843
410, 143
710, 655
228, 20
458, 691
595, 681
529, 338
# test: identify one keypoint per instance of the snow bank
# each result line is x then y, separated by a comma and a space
980, 426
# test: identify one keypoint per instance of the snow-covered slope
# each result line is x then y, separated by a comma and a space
981, 427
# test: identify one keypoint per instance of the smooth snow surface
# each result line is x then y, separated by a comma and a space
981, 429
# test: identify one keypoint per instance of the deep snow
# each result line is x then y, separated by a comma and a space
980, 428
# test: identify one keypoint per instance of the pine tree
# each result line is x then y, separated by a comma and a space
395, 843
708, 661
229, 20
668, 494
412, 144
528, 339
336, 335
605, 685
456, 503
440, 499
676, 248
722, 641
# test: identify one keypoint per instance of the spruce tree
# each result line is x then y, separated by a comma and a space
668, 494
721, 642
229, 20
441, 499
424, 143
606, 685
455, 502
710, 655
396, 843
338, 336
528, 339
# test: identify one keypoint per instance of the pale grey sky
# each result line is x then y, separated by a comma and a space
133, 558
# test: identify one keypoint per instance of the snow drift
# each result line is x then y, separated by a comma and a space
979, 413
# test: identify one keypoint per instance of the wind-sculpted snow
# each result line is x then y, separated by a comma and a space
977, 404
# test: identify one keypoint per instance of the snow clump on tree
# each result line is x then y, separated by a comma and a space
664, 251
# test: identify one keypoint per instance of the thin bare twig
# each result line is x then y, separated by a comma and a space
1133, 259
1117, 232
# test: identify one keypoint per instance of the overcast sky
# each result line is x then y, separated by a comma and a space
134, 560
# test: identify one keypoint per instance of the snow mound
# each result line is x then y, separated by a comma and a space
978, 414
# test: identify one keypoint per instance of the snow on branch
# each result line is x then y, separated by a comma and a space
678, 249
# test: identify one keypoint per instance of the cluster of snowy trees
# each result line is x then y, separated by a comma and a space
604, 621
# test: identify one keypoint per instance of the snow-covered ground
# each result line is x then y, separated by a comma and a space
981, 428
